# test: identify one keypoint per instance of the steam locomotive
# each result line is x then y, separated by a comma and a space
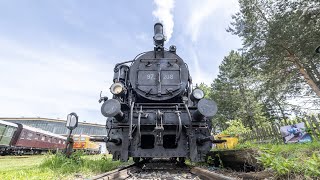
154, 112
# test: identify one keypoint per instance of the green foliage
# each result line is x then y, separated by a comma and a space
235, 128
289, 160
277, 62
279, 39
235, 91
206, 89
58, 166
78, 163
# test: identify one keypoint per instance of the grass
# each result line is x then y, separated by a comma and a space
56, 166
289, 160
19, 162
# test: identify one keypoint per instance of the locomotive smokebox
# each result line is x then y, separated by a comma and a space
158, 37
112, 108
206, 108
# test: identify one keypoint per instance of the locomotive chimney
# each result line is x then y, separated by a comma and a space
158, 37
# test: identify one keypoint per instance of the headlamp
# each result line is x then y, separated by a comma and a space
117, 88
198, 94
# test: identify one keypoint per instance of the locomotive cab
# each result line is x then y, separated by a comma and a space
153, 112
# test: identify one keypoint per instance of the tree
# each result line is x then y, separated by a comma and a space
280, 38
206, 89
235, 92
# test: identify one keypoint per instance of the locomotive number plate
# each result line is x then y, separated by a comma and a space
170, 77
147, 78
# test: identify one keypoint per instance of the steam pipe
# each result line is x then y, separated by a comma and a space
139, 119
131, 119
180, 124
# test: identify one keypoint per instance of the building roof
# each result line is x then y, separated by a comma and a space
48, 119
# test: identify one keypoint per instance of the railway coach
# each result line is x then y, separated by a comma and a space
20, 139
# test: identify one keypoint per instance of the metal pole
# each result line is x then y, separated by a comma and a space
69, 145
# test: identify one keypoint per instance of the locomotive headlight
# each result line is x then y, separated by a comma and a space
117, 88
198, 94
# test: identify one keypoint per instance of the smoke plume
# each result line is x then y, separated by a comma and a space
163, 13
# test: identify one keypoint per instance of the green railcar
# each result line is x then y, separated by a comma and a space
7, 130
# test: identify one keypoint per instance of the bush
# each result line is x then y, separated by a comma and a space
290, 160
235, 128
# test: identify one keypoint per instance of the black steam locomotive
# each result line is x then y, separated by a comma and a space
154, 113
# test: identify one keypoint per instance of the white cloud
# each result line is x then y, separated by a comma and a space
51, 83
163, 13
197, 73
207, 39
200, 12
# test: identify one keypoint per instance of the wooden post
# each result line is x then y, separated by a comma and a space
264, 134
276, 128
256, 134
273, 134
315, 134
251, 135
307, 125
314, 119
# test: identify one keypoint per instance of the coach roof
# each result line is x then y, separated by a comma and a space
42, 131
8, 123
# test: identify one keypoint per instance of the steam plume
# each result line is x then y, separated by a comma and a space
163, 13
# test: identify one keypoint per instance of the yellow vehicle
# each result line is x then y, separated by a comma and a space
230, 144
82, 142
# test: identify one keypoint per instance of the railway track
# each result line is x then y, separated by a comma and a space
160, 169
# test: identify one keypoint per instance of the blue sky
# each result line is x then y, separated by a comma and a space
56, 56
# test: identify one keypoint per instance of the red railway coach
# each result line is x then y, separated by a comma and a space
30, 140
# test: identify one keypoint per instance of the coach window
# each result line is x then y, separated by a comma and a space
9, 132
82, 139
59, 141
64, 142
30, 134
37, 137
43, 138
22, 135
49, 139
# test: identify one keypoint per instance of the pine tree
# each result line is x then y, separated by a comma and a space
280, 37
